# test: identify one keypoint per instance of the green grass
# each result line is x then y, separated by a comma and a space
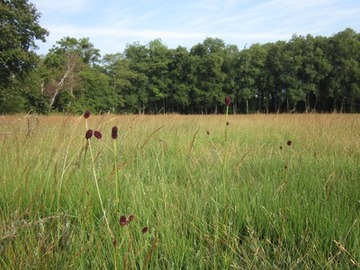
249, 201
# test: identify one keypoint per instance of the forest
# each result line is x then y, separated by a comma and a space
303, 74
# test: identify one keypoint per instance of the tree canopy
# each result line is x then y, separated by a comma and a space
303, 74
19, 29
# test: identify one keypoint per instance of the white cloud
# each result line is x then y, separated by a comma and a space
188, 22
59, 6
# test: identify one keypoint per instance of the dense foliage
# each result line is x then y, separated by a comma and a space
19, 29
305, 73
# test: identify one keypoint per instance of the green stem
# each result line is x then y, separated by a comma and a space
116, 175
225, 153
98, 191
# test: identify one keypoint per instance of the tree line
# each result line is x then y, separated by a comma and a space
304, 74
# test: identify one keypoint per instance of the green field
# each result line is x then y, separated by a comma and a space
264, 192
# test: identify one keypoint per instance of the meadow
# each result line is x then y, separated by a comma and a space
258, 191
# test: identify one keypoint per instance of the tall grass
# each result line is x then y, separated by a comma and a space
269, 206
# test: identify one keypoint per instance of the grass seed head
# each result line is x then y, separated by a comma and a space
114, 243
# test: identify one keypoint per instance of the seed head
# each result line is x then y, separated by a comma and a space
114, 132
145, 229
97, 134
131, 218
227, 101
227, 123
86, 114
289, 143
123, 221
89, 134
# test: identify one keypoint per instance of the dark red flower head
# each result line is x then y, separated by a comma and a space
227, 101
86, 114
123, 221
114, 132
97, 134
131, 218
89, 134
145, 230
289, 143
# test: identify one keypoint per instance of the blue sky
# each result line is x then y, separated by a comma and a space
112, 24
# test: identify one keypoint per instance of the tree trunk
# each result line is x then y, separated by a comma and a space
60, 85
58, 88
342, 105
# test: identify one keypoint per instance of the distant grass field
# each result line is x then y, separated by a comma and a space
263, 192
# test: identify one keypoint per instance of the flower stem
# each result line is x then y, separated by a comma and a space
116, 175
98, 191
225, 152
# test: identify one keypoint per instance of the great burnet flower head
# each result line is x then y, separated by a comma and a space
123, 221
89, 133
227, 101
97, 134
86, 114
145, 229
114, 132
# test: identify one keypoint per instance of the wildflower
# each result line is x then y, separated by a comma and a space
289, 143
131, 218
97, 134
86, 114
227, 101
114, 243
114, 132
208, 132
89, 134
145, 229
123, 221
227, 123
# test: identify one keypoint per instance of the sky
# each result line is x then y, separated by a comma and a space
111, 25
